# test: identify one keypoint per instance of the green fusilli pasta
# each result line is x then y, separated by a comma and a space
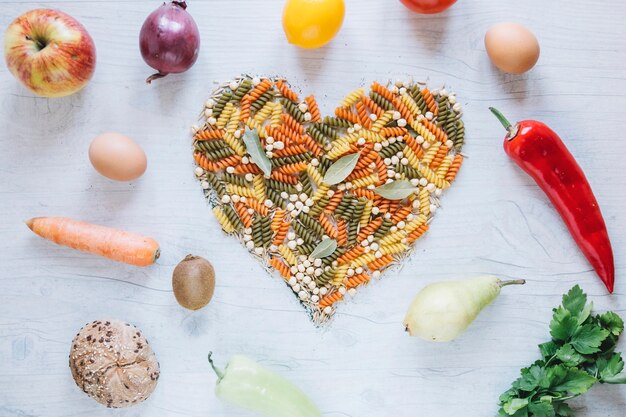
328, 131
261, 101
460, 135
294, 159
318, 207
383, 229
236, 180
318, 135
311, 224
232, 216
241, 91
257, 231
274, 197
307, 186
219, 154
391, 150
408, 171
381, 101
353, 229
221, 103
307, 235
292, 109
280, 187
216, 184
210, 145
331, 121
325, 163
306, 249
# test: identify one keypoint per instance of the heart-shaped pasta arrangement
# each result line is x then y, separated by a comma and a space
328, 202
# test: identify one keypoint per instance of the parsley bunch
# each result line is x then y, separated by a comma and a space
581, 354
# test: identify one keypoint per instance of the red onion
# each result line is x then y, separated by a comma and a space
169, 40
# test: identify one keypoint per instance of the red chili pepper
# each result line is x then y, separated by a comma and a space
540, 152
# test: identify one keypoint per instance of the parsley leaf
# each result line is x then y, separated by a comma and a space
569, 356
541, 409
563, 410
612, 322
574, 301
575, 382
588, 338
612, 367
531, 378
585, 313
508, 395
548, 349
563, 324
515, 405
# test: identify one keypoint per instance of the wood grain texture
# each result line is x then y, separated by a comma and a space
494, 220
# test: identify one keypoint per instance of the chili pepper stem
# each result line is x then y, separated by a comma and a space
512, 282
505, 122
507, 125
218, 372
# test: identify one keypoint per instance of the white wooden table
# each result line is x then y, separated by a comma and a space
494, 220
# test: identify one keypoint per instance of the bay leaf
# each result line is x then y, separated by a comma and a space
343, 167
256, 151
396, 190
324, 248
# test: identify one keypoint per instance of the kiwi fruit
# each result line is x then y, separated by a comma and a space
193, 282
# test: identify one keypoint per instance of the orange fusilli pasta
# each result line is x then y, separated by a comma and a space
210, 134
351, 255
281, 233
257, 206
281, 267
287, 179
430, 101
330, 299
380, 263
345, 114
316, 116
286, 92
454, 168
242, 211
370, 228
357, 280
328, 226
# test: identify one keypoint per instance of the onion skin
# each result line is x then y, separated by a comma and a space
169, 40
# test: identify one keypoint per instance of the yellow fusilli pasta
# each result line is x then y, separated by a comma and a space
352, 98
219, 214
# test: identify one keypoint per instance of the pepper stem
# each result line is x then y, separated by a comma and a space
507, 125
218, 372
512, 282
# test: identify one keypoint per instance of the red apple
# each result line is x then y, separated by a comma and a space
50, 52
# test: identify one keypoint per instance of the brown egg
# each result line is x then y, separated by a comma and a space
512, 47
117, 157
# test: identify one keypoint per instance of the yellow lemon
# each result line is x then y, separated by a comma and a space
312, 23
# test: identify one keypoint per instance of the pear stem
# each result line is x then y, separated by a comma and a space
512, 282
218, 372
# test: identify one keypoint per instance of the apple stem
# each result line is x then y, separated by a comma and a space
39, 44
155, 77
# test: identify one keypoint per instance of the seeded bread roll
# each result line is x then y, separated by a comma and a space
112, 362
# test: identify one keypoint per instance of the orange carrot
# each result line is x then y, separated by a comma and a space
110, 243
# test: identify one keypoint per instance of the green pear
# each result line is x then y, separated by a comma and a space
442, 311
